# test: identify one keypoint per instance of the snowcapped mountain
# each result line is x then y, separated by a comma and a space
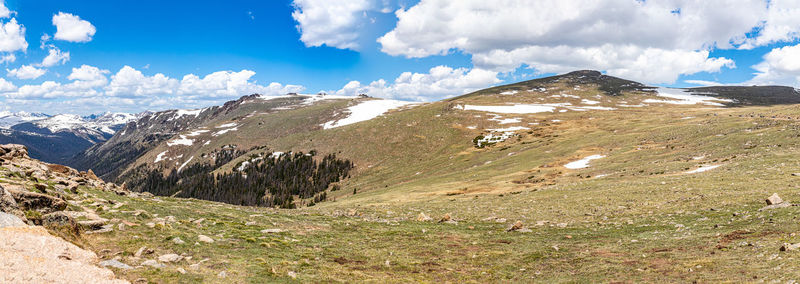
8, 119
59, 137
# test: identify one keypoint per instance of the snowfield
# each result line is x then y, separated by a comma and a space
160, 157
680, 97
583, 163
365, 111
517, 109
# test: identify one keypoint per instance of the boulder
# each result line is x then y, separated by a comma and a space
115, 264
445, 218
36, 201
92, 225
788, 247
205, 239
60, 221
8, 220
774, 199
9, 205
178, 241
167, 258
14, 151
152, 263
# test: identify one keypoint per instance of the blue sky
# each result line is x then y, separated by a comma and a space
410, 50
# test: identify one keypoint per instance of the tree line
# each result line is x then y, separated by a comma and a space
272, 180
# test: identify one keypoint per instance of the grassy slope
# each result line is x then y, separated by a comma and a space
647, 220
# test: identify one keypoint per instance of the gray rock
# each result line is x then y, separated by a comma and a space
774, 199
167, 258
272, 231
8, 220
205, 239
178, 241
153, 263
60, 221
115, 264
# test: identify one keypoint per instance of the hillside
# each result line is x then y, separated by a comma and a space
548, 180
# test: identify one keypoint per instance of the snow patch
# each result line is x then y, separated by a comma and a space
227, 125
583, 163
703, 169
181, 141
160, 157
185, 163
218, 133
681, 97
509, 92
365, 111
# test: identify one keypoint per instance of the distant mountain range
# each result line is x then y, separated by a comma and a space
57, 138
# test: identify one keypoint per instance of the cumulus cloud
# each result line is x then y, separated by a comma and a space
26, 72
229, 84
12, 36
329, 22
55, 57
72, 28
781, 66
440, 82
781, 24
129, 82
506, 34
130, 88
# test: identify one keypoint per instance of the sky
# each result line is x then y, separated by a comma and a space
86, 57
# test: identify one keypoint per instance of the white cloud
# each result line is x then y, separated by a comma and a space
782, 24
703, 82
781, 66
440, 82
8, 58
55, 57
222, 84
4, 11
129, 82
26, 72
330, 22
505, 34
6, 86
72, 28
88, 77
12, 36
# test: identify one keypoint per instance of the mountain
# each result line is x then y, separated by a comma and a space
58, 138
8, 119
579, 177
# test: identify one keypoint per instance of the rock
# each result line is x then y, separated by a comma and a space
104, 229
205, 239
143, 251
115, 264
8, 220
272, 231
178, 241
516, 226
251, 223
445, 218
40, 187
170, 219
150, 225
199, 221
776, 206
11, 151
292, 274
789, 247
36, 201
222, 274
153, 263
60, 221
181, 270
9, 205
774, 199
423, 218
167, 258
500, 220
92, 225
